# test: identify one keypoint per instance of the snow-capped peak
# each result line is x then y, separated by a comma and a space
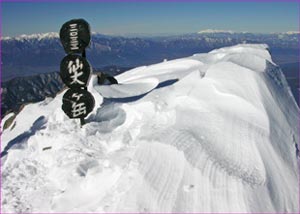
292, 32
38, 36
208, 31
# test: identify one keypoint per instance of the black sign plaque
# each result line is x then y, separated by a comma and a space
78, 103
75, 36
75, 71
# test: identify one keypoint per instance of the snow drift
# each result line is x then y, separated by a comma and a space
218, 134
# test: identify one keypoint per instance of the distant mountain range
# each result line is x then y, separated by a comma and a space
41, 53
22, 90
30, 89
30, 63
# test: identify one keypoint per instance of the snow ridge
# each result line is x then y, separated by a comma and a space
217, 134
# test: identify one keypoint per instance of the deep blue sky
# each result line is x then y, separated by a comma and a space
151, 17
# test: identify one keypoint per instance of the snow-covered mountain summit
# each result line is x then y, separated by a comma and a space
38, 36
207, 31
218, 134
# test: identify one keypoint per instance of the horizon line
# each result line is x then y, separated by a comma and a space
201, 32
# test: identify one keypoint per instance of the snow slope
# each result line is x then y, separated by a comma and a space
218, 134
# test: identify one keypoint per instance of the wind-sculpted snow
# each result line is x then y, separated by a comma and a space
218, 134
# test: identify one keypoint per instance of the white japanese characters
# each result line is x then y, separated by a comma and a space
78, 108
75, 69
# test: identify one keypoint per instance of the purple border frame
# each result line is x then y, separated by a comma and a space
158, 213
298, 112
124, 1
183, 1
1, 105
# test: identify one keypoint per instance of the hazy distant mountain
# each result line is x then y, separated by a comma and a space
42, 53
21, 90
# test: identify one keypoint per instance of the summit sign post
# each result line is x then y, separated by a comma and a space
75, 70
75, 36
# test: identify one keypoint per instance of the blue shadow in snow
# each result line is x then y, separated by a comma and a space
22, 138
135, 98
166, 83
